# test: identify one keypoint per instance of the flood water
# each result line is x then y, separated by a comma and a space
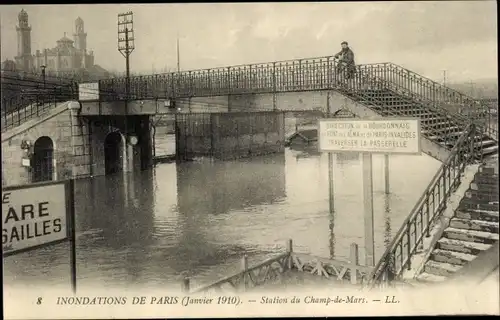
199, 218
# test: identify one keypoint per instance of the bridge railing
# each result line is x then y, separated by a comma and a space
467, 109
430, 89
423, 88
427, 210
30, 105
280, 76
296, 75
25, 96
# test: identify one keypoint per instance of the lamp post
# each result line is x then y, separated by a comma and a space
43, 67
43, 74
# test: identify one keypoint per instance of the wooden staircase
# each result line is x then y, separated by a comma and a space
473, 229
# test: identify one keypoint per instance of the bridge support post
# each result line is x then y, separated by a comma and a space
129, 161
244, 269
74, 108
386, 173
354, 257
185, 285
368, 209
331, 190
328, 106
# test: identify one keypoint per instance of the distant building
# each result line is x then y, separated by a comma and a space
67, 58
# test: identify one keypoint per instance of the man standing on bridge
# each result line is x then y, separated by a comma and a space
345, 61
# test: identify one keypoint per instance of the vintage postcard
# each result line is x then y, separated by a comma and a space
249, 160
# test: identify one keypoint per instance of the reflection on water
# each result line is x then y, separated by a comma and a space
387, 218
214, 187
200, 217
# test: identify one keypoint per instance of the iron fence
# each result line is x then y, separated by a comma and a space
428, 208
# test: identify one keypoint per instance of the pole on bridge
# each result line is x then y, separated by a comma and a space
386, 173
328, 107
178, 55
126, 46
331, 160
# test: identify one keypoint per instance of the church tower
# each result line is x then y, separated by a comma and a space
24, 58
80, 35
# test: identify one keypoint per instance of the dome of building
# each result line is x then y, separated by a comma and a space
23, 15
65, 39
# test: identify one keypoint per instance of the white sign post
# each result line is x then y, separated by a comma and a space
38, 215
368, 136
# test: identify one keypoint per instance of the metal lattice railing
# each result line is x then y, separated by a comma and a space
25, 96
459, 107
298, 75
427, 210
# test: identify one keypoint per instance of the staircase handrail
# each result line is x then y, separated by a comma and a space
385, 84
485, 129
434, 83
389, 73
464, 120
477, 105
450, 171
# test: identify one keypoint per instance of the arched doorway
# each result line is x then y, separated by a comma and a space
43, 159
113, 152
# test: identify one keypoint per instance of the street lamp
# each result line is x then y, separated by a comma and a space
43, 74
43, 94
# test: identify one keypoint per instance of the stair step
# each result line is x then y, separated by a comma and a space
451, 257
470, 235
468, 204
442, 130
428, 277
490, 151
485, 143
456, 133
487, 181
468, 247
483, 196
489, 187
482, 215
486, 177
435, 121
488, 171
440, 268
477, 225
420, 112
441, 133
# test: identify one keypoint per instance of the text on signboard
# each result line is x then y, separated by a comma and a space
370, 135
22, 217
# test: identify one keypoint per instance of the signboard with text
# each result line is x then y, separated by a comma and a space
36, 215
387, 135
88, 91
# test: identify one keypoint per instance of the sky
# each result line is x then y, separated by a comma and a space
423, 36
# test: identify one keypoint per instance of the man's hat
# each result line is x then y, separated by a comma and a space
344, 42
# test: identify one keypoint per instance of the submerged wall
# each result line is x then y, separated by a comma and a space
229, 135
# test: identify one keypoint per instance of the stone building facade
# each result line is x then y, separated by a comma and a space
68, 57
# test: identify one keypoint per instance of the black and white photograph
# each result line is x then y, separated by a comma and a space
249, 159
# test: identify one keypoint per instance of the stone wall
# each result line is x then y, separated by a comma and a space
78, 144
59, 126
203, 104
229, 135
303, 100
